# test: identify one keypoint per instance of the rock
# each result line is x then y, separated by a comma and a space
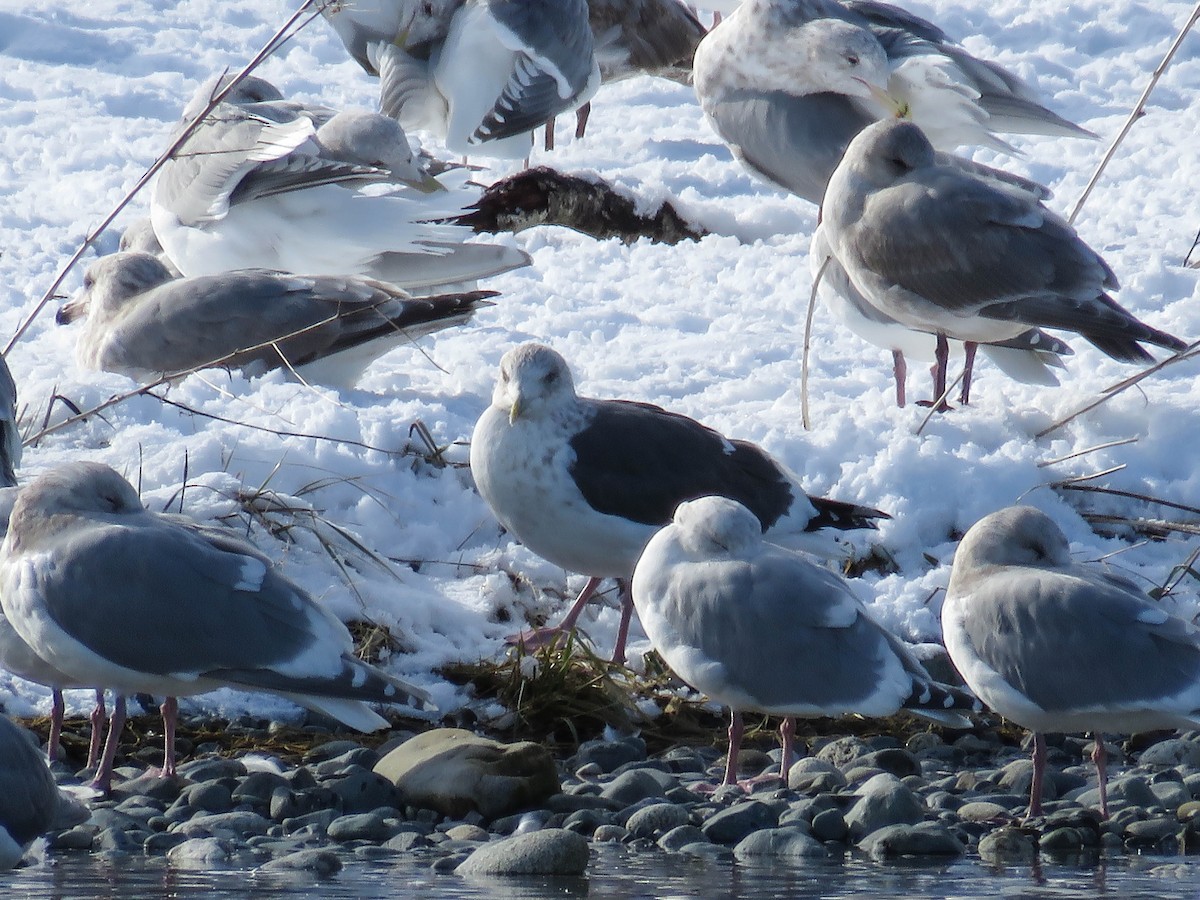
1007, 845
610, 834
982, 811
361, 790
199, 853
636, 784
1017, 777
1150, 832
552, 851
258, 788
882, 801
842, 751
237, 824
814, 775
729, 826
323, 863
608, 755
209, 796
925, 839
359, 827
1172, 752
792, 843
678, 838
165, 789
656, 819
467, 833
1060, 839
211, 769
78, 838
160, 843
830, 825
898, 762
1171, 794
406, 841
454, 771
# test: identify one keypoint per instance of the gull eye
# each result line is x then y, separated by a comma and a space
852, 60
88, 282
550, 377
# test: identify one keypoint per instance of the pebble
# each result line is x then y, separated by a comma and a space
729, 826
656, 819
882, 801
552, 851
321, 862
788, 842
923, 839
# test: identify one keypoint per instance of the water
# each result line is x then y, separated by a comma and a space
618, 874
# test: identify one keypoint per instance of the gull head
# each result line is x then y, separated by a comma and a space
719, 526
111, 282
1014, 536
79, 487
534, 381
840, 58
889, 150
371, 139
250, 89
428, 24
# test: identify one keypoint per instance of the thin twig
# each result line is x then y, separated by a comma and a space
808, 320
1195, 243
1075, 479
1137, 112
1145, 498
1053, 462
276, 41
1142, 525
1110, 392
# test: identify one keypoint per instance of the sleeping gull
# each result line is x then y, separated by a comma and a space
28, 794
113, 594
480, 74
584, 483
761, 629
788, 83
1057, 646
143, 323
944, 251
315, 195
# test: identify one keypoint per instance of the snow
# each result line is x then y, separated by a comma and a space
712, 329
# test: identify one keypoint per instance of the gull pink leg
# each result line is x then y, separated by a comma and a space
736, 728
58, 707
170, 715
581, 119
540, 637
900, 373
624, 588
787, 744
1100, 758
1039, 771
99, 718
969, 348
103, 779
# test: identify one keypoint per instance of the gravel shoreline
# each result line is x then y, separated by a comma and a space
877, 796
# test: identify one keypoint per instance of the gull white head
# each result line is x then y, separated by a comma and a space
250, 89
888, 151
836, 57
111, 282
371, 139
534, 381
79, 487
711, 526
1014, 536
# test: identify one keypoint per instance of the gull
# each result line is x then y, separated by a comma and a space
316, 195
788, 83
1057, 646
944, 251
480, 74
760, 628
29, 796
144, 323
113, 594
585, 483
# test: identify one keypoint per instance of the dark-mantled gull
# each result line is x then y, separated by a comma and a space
1057, 646
944, 251
782, 82
143, 323
759, 628
584, 483
315, 195
28, 794
113, 594
480, 74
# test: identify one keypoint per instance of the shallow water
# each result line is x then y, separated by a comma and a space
621, 875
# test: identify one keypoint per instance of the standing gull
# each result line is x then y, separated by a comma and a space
143, 323
584, 483
113, 594
761, 629
787, 84
944, 251
315, 195
1057, 646
480, 74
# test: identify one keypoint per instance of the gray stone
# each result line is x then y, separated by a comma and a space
323, 863
329, 750
830, 825
882, 802
158, 844
1172, 752
359, 756
586, 821
466, 832
924, 839
982, 811
211, 769
656, 819
238, 824
842, 751
359, 827
552, 851
792, 843
637, 784
898, 762
1017, 777
729, 826
119, 840
1007, 845
812, 775
199, 853
258, 788
166, 789
209, 796
78, 838
317, 821
608, 755
1171, 794
1064, 838
1150, 832
361, 790
1132, 789
406, 841
678, 838
454, 771
610, 834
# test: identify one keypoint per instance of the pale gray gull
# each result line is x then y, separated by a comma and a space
584, 483
29, 797
113, 594
759, 628
480, 74
944, 251
144, 323
1058, 646
788, 83
315, 195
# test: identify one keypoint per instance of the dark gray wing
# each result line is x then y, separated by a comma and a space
639, 462
1068, 642
655, 36
555, 49
795, 142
